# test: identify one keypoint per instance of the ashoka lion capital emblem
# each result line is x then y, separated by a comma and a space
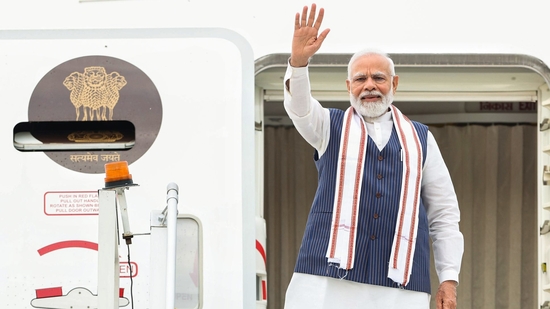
95, 91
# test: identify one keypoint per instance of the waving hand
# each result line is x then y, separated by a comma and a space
307, 40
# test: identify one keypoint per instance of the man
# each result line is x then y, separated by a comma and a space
383, 191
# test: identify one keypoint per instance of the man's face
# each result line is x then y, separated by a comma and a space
371, 85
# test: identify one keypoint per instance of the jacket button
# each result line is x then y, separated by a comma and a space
379, 176
375, 216
380, 158
378, 195
372, 237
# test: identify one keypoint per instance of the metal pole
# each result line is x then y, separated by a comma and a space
108, 262
171, 222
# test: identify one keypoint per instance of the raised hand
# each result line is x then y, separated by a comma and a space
307, 40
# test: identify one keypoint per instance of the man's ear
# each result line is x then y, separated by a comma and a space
348, 84
395, 82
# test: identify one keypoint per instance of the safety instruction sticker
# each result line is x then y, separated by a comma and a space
71, 203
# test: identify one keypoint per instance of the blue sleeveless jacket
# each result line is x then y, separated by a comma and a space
378, 211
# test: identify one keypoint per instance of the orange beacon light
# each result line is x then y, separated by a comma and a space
117, 175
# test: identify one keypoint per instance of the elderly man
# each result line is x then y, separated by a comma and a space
383, 191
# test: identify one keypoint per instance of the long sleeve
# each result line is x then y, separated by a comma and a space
310, 119
443, 214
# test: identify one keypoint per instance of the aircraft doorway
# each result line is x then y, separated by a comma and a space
491, 155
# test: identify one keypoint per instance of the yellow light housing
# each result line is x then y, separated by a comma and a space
117, 175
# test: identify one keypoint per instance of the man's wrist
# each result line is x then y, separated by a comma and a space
298, 64
450, 282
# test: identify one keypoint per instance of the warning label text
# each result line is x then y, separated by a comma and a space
76, 203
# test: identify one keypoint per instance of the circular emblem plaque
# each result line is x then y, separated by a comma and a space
98, 88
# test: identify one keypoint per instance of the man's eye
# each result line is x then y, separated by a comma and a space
359, 79
379, 79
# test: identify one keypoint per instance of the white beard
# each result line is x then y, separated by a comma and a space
372, 109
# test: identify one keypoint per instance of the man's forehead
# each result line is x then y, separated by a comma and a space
371, 64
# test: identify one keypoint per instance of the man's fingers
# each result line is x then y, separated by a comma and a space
319, 19
311, 19
323, 35
319, 41
446, 305
304, 16
297, 21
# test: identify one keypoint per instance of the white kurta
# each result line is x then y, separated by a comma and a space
315, 292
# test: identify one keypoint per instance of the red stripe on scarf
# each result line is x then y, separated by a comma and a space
416, 196
405, 189
356, 196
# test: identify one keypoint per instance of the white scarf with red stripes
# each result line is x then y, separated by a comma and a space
351, 162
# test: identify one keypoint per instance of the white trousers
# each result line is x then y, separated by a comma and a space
318, 292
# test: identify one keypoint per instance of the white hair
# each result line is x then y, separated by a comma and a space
367, 52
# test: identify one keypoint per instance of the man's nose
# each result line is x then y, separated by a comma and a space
369, 84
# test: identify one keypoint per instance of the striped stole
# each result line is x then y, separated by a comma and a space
349, 178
